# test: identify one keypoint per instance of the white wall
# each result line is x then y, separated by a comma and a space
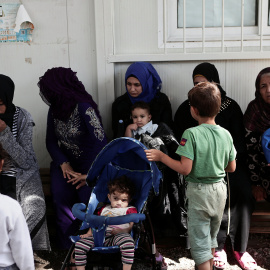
136, 39
64, 35
99, 39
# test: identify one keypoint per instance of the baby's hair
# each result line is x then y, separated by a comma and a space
122, 184
206, 98
140, 105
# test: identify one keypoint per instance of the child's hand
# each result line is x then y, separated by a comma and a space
115, 231
76, 178
153, 155
88, 234
132, 126
129, 130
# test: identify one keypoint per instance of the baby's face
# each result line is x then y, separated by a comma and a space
140, 117
118, 200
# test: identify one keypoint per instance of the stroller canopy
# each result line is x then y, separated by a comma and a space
125, 153
122, 156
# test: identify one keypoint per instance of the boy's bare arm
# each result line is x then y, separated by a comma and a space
184, 166
231, 166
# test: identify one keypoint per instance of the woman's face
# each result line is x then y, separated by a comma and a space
265, 87
199, 79
134, 87
2, 107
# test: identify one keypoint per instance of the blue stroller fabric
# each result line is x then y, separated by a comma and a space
265, 144
122, 156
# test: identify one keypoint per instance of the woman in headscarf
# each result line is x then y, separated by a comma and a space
142, 84
257, 121
74, 138
20, 177
240, 202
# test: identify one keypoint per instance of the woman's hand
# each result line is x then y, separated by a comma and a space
75, 178
259, 193
153, 154
3, 125
66, 168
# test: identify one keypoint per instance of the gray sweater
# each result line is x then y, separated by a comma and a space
28, 183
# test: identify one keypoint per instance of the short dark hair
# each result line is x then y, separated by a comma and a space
206, 98
141, 105
122, 184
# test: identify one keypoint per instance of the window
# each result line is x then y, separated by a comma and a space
220, 24
213, 13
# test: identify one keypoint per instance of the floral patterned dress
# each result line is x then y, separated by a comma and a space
78, 140
257, 164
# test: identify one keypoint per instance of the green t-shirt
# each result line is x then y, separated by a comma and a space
211, 149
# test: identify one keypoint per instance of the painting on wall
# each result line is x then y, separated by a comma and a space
15, 24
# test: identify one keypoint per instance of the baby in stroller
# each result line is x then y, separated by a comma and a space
121, 191
122, 157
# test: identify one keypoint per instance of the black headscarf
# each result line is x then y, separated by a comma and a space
7, 88
210, 72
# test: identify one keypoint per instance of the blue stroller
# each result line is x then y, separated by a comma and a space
122, 156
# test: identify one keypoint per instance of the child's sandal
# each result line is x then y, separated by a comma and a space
220, 259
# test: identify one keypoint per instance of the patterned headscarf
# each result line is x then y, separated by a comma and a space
149, 79
210, 72
257, 115
61, 89
7, 88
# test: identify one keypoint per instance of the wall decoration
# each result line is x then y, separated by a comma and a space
15, 24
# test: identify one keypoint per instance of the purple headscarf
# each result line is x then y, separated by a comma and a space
257, 115
61, 89
149, 79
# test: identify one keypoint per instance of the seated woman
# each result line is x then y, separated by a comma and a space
257, 121
74, 138
142, 84
230, 117
20, 177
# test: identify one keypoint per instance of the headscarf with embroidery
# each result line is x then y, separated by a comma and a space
149, 79
7, 88
61, 89
257, 115
210, 72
